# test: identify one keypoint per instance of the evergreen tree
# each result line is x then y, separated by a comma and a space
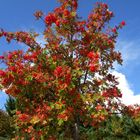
6, 129
10, 105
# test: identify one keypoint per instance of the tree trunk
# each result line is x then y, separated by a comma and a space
76, 132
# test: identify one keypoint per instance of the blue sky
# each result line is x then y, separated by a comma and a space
18, 15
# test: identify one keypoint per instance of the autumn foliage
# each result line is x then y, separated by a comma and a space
67, 82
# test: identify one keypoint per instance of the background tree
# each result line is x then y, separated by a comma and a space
10, 106
124, 126
114, 128
6, 128
67, 82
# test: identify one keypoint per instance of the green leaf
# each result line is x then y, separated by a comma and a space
42, 137
52, 105
44, 51
52, 66
60, 122
61, 90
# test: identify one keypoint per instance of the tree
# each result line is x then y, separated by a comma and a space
10, 106
6, 128
67, 82
116, 127
124, 126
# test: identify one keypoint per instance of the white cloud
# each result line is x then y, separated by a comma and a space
128, 95
130, 52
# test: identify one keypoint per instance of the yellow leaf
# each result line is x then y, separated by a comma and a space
73, 14
34, 120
